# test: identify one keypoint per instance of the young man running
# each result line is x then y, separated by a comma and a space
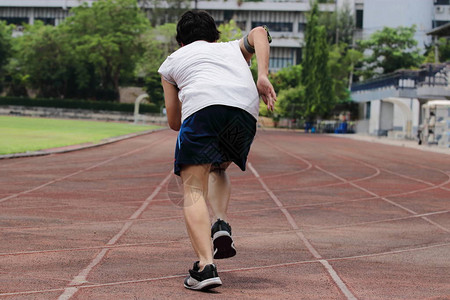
212, 100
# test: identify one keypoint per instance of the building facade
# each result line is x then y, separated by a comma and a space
393, 104
285, 19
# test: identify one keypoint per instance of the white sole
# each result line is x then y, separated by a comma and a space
205, 284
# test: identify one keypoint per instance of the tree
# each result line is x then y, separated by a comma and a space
341, 62
229, 31
43, 59
318, 96
5, 49
287, 84
443, 45
388, 50
158, 42
106, 36
340, 25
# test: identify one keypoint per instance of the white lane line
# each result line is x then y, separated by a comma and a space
75, 173
81, 278
243, 269
184, 240
386, 199
341, 285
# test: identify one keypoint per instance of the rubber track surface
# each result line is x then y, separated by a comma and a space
313, 217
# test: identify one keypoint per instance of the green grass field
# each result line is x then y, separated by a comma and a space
22, 134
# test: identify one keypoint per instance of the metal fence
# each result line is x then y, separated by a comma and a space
429, 75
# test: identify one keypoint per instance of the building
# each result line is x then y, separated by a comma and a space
285, 19
392, 105
389, 105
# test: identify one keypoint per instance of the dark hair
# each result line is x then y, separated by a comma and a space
196, 25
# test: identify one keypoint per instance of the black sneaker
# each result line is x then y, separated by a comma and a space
222, 241
204, 280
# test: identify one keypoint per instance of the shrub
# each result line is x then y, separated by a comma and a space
79, 104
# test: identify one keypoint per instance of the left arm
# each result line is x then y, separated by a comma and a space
258, 40
173, 104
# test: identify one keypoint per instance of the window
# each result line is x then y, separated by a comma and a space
299, 56
275, 26
228, 15
439, 23
359, 18
367, 113
15, 21
280, 62
47, 21
301, 27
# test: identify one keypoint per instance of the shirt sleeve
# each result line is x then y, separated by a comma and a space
237, 47
165, 71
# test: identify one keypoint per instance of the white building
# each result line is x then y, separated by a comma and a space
391, 105
286, 20
388, 13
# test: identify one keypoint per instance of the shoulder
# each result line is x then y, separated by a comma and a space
231, 44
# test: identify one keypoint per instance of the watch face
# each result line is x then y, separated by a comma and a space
268, 34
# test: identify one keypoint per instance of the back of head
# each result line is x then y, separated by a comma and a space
196, 26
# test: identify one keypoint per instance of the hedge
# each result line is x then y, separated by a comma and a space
79, 104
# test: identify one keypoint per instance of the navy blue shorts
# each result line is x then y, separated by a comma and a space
214, 135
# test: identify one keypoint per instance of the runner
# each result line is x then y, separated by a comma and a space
212, 100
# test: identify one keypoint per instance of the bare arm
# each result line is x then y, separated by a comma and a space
173, 104
257, 38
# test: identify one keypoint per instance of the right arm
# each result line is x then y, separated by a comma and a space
173, 104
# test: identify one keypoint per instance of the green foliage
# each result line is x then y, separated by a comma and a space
340, 25
78, 104
106, 37
388, 50
31, 134
341, 63
318, 95
87, 56
229, 31
5, 48
316, 87
289, 102
42, 60
15, 79
286, 78
443, 45
286, 83
158, 42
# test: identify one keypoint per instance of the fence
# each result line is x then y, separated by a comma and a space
429, 75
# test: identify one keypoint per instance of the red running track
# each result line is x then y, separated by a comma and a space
314, 217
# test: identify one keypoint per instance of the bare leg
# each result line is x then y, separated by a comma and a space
219, 190
196, 214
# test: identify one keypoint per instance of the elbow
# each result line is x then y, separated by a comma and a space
259, 29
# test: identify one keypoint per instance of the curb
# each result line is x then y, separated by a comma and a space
78, 147
411, 144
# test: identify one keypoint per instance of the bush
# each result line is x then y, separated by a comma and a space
79, 104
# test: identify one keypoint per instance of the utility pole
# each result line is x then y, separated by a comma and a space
336, 20
436, 49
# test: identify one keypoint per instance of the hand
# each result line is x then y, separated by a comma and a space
266, 91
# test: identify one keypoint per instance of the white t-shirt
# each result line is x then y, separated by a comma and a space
210, 74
